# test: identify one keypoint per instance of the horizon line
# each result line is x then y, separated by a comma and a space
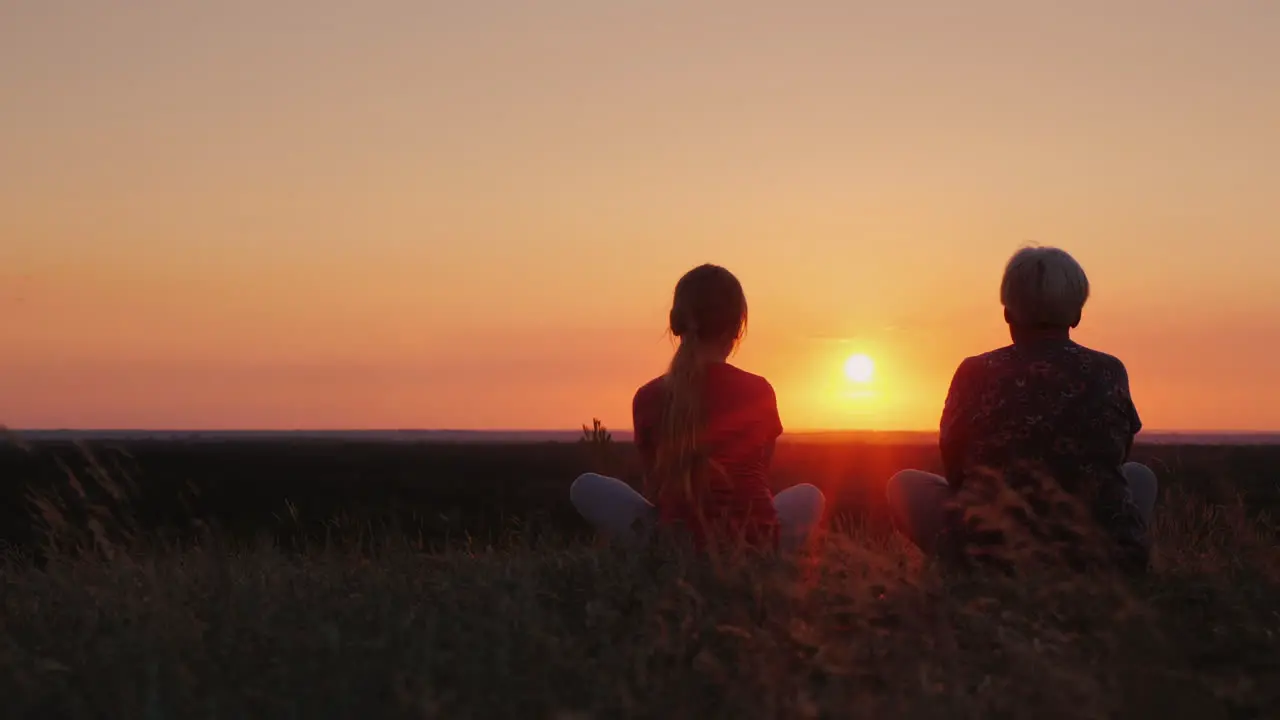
512, 431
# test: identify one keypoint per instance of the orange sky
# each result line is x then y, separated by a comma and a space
470, 215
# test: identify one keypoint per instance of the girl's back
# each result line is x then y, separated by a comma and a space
706, 432
736, 444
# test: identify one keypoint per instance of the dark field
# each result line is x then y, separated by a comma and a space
330, 579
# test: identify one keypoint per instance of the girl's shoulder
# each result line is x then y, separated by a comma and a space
743, 375
745, 382
650, 391
721, 376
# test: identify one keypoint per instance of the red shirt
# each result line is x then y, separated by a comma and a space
742, 426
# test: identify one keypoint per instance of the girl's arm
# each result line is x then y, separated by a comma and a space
768, 452
774, 427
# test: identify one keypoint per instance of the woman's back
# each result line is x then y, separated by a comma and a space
1054, 402
1046, 411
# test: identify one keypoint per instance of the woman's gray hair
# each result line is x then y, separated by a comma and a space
1044, 287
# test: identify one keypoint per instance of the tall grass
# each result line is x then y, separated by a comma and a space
367, 624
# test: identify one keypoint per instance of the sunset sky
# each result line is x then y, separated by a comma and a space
397, 214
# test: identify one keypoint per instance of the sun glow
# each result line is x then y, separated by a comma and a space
859, 368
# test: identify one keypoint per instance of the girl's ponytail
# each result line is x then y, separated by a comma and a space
708, 315
676, 468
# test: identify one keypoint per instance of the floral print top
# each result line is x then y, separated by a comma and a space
1044, 416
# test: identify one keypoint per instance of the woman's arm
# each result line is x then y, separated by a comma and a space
1128, 410
953, 430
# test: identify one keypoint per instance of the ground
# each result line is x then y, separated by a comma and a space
194, 613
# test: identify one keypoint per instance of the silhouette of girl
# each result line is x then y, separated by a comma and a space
706, 432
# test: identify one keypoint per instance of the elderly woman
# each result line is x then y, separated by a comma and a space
1042, 407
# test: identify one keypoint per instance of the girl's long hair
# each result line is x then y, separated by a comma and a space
708, 311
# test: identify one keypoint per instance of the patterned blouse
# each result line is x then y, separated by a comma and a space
1044, 418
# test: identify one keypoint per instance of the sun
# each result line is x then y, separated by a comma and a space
859, 368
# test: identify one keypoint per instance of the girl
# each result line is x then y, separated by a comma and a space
706, 432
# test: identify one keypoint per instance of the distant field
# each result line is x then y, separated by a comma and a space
490, 437
333, 579
446, 490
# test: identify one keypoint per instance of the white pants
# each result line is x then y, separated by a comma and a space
916, 500
625, 516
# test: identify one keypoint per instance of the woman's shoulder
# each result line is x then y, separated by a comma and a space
992, 358
1105, 363
975, 367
